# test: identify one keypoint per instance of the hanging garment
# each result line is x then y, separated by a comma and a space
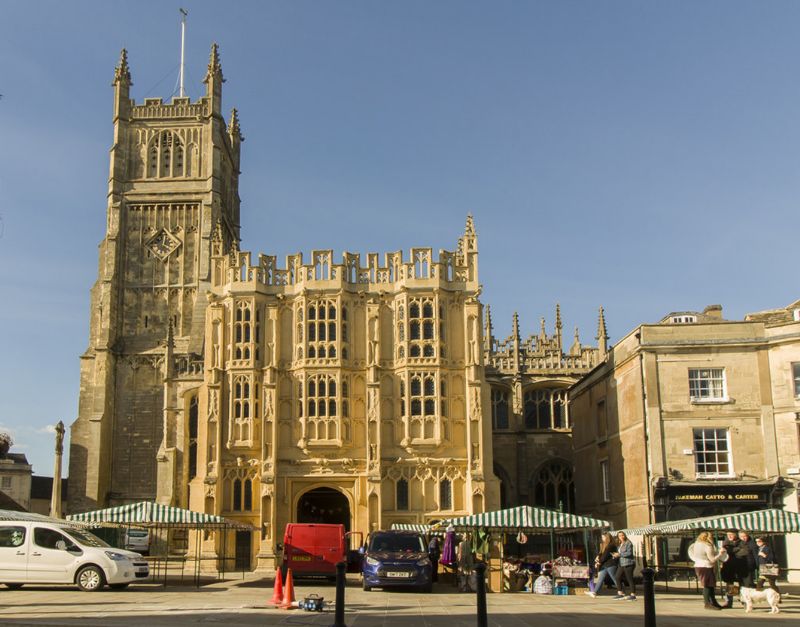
480, 541
449, 551
522, 538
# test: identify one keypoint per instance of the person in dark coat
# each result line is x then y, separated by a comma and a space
730, 570
766, 556
747, 552
605, 564
434, 552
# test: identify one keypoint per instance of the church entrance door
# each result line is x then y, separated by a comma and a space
244, 540
324, 505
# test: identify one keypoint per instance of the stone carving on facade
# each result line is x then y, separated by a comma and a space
372, 404
475, 404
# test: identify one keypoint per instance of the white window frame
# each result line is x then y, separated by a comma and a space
605, 480
796, 378
697, 452
696, 392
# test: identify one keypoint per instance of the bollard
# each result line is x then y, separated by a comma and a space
338, 618
483, 620
648, 575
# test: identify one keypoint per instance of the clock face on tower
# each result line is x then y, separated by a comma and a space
163, 244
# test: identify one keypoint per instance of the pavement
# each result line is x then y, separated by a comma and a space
243, 602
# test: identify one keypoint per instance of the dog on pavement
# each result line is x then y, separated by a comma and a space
749, 596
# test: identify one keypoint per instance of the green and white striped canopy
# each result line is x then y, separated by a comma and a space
149, 514
419, 528
527, 518
764, 521
6, 514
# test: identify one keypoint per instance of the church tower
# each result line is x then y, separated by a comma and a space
173, 184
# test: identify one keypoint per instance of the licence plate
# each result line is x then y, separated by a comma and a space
398, 574
301, 558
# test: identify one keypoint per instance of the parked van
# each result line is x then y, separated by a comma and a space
45, 552
137, 540
313, 549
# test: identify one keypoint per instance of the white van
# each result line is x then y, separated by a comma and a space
45, 552
137, 540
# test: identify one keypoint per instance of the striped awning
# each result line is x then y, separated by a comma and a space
419, 528
149, 514
764, 521
527, 518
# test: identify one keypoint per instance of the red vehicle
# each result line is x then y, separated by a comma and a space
313, 550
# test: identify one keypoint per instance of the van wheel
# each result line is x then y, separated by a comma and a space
118, 586
90, 579
364, 586
13, 586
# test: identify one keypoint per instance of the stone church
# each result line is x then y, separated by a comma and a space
366, 391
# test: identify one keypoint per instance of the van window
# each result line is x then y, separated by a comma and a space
50, 538
405, 543
11, 537
87, 539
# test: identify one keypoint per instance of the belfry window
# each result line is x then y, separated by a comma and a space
165, 157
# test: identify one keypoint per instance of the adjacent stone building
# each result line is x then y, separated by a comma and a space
693, 416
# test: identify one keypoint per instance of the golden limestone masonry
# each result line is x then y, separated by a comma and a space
363, 392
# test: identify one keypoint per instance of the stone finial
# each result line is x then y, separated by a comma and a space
122, 73
214, 66
489, 327
469, 230
515, 326
558, 317
575, 349
234, 130
602, 333
60, 437
542, 329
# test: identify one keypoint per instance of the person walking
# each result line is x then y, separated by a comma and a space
747, 552
766, 556
605, 564
730, 572
434, 553
625, 569
705, 555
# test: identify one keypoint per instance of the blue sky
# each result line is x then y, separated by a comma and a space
638, 155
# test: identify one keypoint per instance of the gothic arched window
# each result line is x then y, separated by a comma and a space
402, 495
552, 486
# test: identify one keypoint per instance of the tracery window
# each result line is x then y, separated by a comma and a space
402, 494
193, 438
242, 329
322, 329
546, 409
242, 495
421, 328
325, 403
422, 397
244, 406
499, 409
445, 494
552, 487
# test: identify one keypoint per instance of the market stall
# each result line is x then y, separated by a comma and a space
773, 522
523, 521
169, 527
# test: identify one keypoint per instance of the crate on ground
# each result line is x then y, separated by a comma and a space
561, 590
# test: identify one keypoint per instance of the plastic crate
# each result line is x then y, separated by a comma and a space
561, 590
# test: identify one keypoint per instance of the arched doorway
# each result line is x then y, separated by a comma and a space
324, 505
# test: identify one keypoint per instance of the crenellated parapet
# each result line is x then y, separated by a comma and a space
420, 269
177, 108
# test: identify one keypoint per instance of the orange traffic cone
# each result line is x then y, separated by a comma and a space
277, 594
288, 593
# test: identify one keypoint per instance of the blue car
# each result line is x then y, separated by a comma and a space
396, 558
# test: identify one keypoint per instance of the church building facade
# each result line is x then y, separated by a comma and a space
365, 391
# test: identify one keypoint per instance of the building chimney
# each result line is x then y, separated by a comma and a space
713, 311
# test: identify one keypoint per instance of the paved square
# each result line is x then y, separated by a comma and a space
243, 602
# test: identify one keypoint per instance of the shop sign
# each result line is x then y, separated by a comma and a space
722, 495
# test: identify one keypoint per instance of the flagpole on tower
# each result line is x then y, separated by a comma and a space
184, 13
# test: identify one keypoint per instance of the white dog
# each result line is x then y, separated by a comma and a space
751, 595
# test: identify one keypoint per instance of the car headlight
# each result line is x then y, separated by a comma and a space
117, 557
371, 561
424, 562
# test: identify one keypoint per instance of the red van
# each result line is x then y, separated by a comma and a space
313, 549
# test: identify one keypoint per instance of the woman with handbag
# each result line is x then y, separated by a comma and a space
705, 556
767, 565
